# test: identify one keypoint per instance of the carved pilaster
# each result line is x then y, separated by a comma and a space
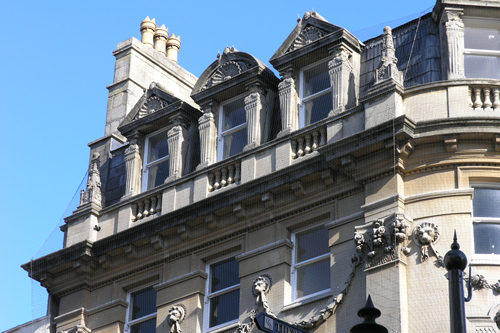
388, 64
254, 105
93, 192
340, 70
177, 147
288, 105
453, 40
133, 166
208, 139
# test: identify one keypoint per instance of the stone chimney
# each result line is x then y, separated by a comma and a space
173, 47
148, 28
161, 37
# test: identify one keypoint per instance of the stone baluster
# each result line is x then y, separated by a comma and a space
315, 140
487, 101
158, 203
152, 210
496, 99
322, 132
288, 104
210, 182
133, 166
217, 180
470, 98
147, 204
237, 173
140, 210
134, 208
477, 100
454, 41
223, 181
230, 177
300, 148
294, 148
308, 148
340, 70
208, 139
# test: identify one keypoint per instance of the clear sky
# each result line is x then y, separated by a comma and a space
55, 63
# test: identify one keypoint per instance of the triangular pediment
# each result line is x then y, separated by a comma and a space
309, 29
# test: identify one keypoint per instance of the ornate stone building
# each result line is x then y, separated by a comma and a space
212, 199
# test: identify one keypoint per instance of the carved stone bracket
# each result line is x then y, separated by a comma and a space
93, 192
176, 316
425, 235
383, 240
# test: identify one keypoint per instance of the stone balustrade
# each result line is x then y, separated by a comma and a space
144, 207
224, 176
484, 98
308, 142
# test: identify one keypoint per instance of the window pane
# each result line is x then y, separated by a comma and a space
234, 114
313, 278
224, 308
144, 303
158, 173
316, 79
148, 326
224, 274
486, 202
158, 146
318, 108
311, 243
487, 238
234, 142
480, 66
482, 35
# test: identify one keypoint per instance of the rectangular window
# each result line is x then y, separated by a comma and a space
482, 48
486, 220
315, 94
142, 311
232, 128
223, 292
311, 263
156, 160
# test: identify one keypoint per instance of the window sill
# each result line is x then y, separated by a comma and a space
223, 327
307, 300
485, 260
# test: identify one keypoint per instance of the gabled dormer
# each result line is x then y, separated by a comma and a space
160, 130
319, 63
237, 96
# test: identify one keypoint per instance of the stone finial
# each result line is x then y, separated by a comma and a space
173, 47
388, 64
93, 192
148, 28
161, 37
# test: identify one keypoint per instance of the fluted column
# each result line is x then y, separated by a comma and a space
133, 166
208, 138
340, 70
288, 104
177, 147
453, 36
254, 106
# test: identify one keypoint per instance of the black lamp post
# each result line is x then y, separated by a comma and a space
369, 313
455, 262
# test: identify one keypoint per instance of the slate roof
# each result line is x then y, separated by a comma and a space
418, 58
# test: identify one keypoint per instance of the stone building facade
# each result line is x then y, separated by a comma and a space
212, 199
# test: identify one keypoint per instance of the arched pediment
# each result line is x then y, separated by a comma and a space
228, 65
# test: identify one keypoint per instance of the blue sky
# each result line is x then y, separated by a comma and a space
55, 63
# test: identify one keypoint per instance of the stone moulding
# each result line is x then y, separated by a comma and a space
383, 241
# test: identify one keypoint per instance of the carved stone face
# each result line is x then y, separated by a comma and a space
260, 286
426, 235
174, 315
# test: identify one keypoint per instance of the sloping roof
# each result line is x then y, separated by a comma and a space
417, 49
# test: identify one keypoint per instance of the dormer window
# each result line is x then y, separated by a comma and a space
315, 93
156, 160
233, 128
482, 48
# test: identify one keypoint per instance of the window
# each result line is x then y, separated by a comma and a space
311, 262
486, 220
156, 160
232, 128
482, 48
223, 293
315, 94
142, 311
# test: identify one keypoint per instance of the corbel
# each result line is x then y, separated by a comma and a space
451, 143
131, 252
240, 211
327, 177
268, 200
105, 261
298, 189
211, 221
158, 242
184, 232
